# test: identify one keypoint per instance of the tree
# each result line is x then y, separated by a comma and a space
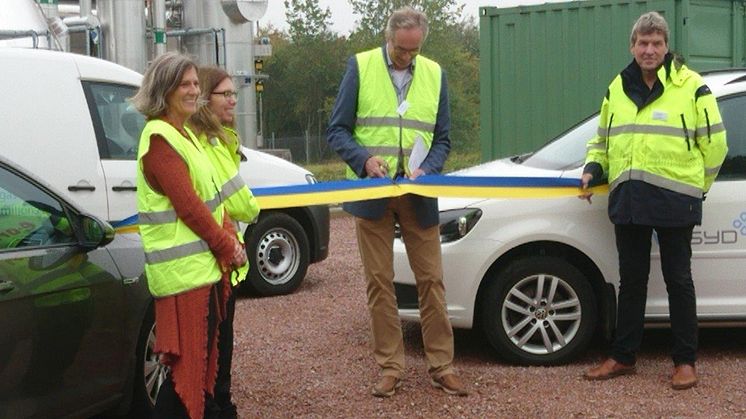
308, 63
375, 14
451, 42
304, 71
307, 20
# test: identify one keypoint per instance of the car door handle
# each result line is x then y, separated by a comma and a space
75, 188
123, 188
6, 286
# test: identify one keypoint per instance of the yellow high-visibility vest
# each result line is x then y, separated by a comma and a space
176, 258
377, 127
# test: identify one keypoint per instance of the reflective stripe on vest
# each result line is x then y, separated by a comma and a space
177, 260
169, 216
394, 122
656, 129
377, 126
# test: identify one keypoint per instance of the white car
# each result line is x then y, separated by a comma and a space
66, 118
539, 276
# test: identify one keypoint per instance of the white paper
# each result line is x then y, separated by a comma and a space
403, 106
419, 152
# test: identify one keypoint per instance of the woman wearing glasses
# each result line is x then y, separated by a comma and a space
214, 126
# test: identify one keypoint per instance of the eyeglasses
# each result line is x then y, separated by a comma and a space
227, 94
413, 52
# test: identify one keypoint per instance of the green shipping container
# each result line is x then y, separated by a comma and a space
545, 67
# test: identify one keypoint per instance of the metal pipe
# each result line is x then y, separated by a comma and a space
185, 33
87, 21
225, 50
191, 32
123, 23
217, 50
159, 26
85, 8
5, 34
201, 14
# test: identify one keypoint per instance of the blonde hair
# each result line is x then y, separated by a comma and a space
650, 22
162, 77
406, 18
204, 121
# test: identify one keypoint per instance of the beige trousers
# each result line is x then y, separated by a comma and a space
375, 240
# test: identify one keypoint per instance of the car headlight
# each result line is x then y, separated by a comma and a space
455, 224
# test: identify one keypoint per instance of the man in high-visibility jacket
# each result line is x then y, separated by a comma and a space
390, 101
661, 142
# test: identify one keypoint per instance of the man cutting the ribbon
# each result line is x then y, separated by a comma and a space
390, 99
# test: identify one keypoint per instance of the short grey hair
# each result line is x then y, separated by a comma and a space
650, 22
406, 18
162, 77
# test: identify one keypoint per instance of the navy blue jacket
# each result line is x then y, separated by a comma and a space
339, 135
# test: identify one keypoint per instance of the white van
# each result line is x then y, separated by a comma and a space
66, 118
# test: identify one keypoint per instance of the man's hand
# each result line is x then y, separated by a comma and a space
584, 192
417, 173
376, 167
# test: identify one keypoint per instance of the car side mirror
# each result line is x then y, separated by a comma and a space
94, 232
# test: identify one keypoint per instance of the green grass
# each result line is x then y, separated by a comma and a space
335, 169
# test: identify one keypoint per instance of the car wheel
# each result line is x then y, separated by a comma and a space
149, 373
539, 311
278, 252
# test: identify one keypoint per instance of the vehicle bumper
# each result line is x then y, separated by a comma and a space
319, 215
464, 265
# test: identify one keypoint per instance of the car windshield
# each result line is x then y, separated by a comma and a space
566, 151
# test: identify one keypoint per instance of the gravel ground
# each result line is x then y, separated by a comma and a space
307, 355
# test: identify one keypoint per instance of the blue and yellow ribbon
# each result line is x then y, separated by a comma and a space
128, 225
434, 186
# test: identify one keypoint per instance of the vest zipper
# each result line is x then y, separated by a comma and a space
707, 117
686, 133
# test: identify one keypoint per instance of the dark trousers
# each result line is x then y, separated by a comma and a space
221, 405
633, 245
169, 405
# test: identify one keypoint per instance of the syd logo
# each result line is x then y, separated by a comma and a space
701, 237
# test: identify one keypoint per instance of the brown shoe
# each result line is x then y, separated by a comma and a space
609, 369
386, 386
451, 384
684, 377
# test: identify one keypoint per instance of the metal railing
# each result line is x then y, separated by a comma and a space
218, 34
34, 34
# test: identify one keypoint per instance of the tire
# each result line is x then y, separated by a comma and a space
149, 372
550, 330
278, 251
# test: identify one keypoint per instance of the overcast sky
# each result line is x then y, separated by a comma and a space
343, 20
